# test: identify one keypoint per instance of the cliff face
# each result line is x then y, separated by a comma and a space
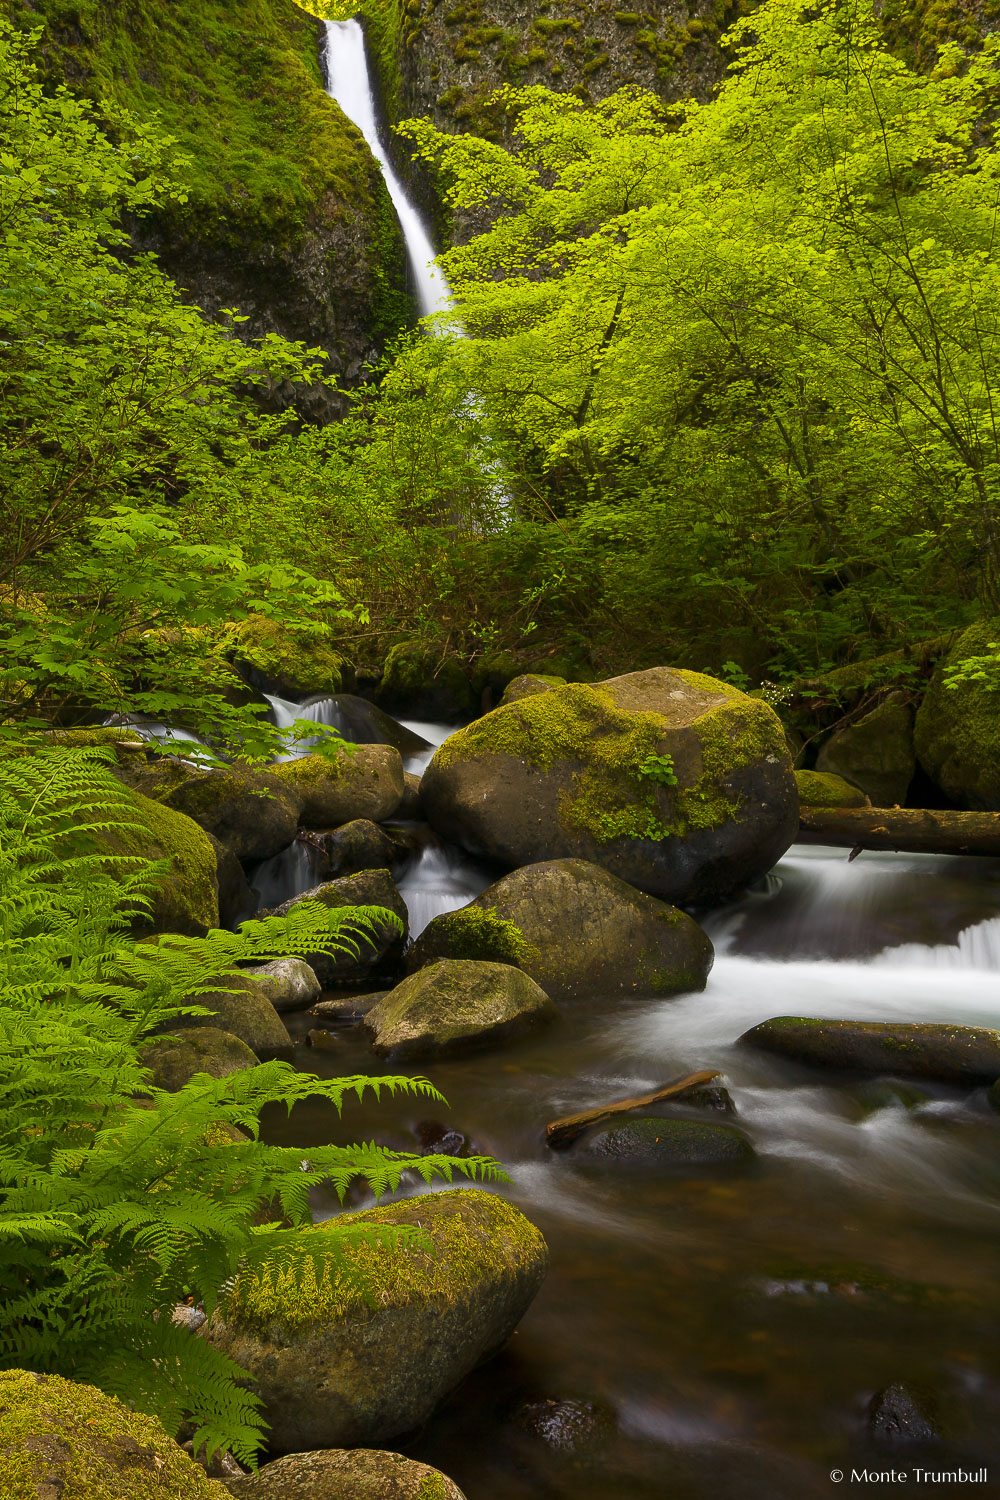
287, 216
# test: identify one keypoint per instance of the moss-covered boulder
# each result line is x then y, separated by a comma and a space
378, 954
352, 1474
186, 899
876, 754
456, 1005
416, 681
362, 781
254, 814
60, 1440
577, 930
358, 845
918, 1049
957, 731
174, 1060
342, 1362
648, 1141
528, 685
240, 1006
289, 983
676, 783
823, 789
293, 664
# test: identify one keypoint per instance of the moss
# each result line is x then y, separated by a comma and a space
957, 731
823, 789
187, 899
61, 1438
477, 933
302, 662
306, 770
472, 1235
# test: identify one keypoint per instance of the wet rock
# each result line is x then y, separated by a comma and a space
61, 1438
711, 1096
252, 813
822, 789
411, 806
887, 1093
576, 1428
895, 1416
324, 1041
957, 731
672, 781
174, 1061
240, 1006
876, 754
653, 1142
358, 845
577, 931
344, 1363
952, 1054
354, 1474
455, 1005
378, 953
437, 1139
363, 723
289, 983
361, 781
350, 1008
994, 1095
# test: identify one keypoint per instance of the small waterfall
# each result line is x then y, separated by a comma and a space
441, 879
288, 873
348, 82
434, 734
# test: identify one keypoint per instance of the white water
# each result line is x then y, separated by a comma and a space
442, 879
349, 83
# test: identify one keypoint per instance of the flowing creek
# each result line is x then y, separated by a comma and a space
723, 1334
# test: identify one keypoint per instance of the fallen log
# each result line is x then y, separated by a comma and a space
563, 1132
910, 830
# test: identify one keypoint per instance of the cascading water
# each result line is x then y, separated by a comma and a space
348, 82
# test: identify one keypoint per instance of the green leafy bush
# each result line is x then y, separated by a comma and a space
117, 1200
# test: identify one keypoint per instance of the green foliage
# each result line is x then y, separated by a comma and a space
658, 768
117, 1200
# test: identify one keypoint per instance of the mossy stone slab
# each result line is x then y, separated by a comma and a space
951, 1054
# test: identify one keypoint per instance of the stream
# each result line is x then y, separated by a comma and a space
722, 1335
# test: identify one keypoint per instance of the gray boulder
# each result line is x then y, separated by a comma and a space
289, 983
362, 781
352, 1474
174, 1060
876, 754
952, 1054
367, 955
672, 781
455, 1005
652, 1142
348, 1362
577, 931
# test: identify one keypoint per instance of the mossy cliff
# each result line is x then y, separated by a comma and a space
287, 216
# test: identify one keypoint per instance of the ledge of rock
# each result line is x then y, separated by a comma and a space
343, 1363
952, 1054
455, 1005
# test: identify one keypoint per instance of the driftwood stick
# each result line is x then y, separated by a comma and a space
562, 1132
909, 829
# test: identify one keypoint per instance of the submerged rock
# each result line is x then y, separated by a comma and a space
876, 754
952, 1054
61, 1438
240, 1006
348, 1362
577, 931
352, 1474
672, 781
578, 1428
454, 1005
823, 789
957, 729
895, 1416
364, 781
174, 1061
650, 1141
289, 983
365, 955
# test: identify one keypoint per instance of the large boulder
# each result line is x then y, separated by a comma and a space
876, 754
675, 782
240, 1006
174, 1060
957, 730
252, 813
368, 955
363, 723
186, 899
454, 1005
61, 1438
339, 1474
344, 1361
289, 983
918, 1049
362, 781
577, 930
290, 664
822, 789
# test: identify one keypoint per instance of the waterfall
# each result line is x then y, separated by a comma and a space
348, 82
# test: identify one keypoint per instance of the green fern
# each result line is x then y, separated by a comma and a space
118, 1200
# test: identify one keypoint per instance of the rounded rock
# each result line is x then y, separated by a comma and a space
653, 1142
957, 730
289, 983
174, 1061
365, 781
240, 1006
366, 955
455, 1005
918, 1049
351, 1474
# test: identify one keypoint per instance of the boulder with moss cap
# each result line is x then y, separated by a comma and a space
289, 663
186, 899
823, 789
456, 1005
530, 684
353, 1474
675, 782
957, 730
363, 781
577, 931
355, 1359
253, 813
60, 1438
